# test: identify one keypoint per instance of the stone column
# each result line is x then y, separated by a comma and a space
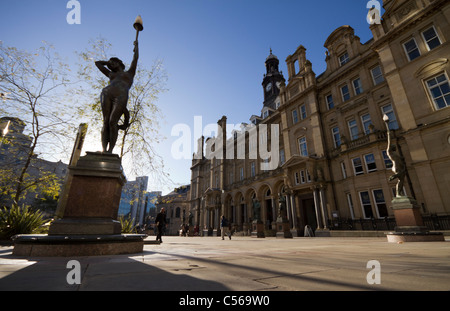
323, 204
317, 208
274, 213
288, 207
294, 222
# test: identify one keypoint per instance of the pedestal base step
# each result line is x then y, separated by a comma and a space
77, 245
395, 237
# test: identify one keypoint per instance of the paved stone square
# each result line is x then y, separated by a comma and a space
242, 264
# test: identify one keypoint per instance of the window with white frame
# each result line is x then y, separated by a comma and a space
431, 38
294, 116
369, 159
353, 128
302, 146
344, 59
366, 122
265, 114
389, 111
296, 178
303, 112
345, 92
357, 166
302, 176
330, 102
411, 49
366, 204
336, 136
380, 203
439, 89
377, 75
308, 176
357, 86
253, 170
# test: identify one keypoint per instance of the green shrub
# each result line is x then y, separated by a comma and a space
19, 220
127, 225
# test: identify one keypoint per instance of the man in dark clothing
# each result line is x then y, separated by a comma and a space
160, 223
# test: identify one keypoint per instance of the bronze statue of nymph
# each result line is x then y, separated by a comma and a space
114, 97
398, 162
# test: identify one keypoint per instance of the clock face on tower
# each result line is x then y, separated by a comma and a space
268, 87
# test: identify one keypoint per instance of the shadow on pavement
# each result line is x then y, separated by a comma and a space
123, 274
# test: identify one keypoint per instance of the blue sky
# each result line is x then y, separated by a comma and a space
213, 50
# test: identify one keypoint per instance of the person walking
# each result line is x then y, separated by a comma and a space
160, 223
224, 226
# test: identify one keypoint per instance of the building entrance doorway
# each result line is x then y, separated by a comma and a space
309, 213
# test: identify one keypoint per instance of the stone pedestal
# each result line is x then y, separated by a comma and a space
30, 245
258, 229
283, 228
93, 197
89, 214
410, 226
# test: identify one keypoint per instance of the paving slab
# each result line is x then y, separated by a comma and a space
241, 264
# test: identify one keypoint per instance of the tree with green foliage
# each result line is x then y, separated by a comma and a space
32, 85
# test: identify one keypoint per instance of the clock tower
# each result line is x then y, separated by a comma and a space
272, 80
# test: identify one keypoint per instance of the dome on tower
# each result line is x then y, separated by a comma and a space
271, 56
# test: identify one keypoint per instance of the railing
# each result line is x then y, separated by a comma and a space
365, 139
432, 222
386, 223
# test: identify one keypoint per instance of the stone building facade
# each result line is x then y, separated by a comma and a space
176, 204
332, 139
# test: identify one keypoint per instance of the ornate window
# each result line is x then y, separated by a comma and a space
411, 49
439, 89
344, 59
302, 146
377, 75
345, 92
431, 38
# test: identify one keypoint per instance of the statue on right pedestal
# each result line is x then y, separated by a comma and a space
398, 162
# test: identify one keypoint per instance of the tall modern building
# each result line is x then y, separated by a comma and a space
330, 138
133, 200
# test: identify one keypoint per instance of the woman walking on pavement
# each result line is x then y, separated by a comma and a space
223, 226
160, 223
